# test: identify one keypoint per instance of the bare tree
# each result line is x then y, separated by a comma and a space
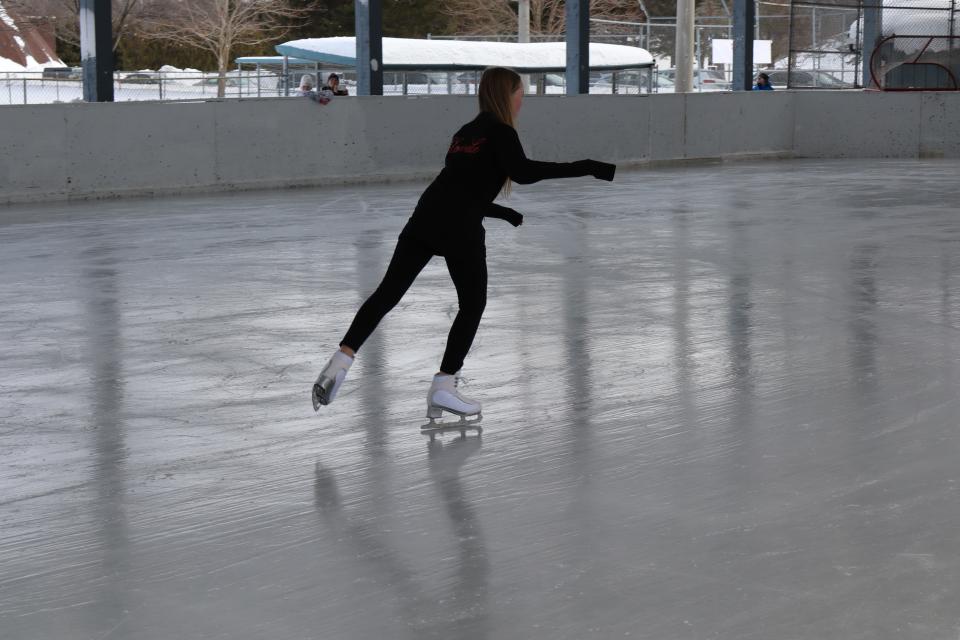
489, 17
218, 26
66, 16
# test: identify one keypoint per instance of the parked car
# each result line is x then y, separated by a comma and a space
628, 81
805, 78
141, 77
63, 73
662, 84
703, 79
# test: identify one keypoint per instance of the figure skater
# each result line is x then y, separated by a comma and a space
485, 155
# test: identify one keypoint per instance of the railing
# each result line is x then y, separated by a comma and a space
41, 88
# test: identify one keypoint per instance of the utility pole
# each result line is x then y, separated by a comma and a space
96, 50
523, 33
368, 20
872, 32
743, 20
578, 46
683, 80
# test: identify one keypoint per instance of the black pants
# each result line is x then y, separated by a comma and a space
467, 263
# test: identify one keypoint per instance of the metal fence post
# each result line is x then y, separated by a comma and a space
743, 29
953, 13
577, 75
872, 32
96, 50
24, 91
368, 25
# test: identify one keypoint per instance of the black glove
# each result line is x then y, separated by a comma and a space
597, 169
503, 213
513, 216
602, 170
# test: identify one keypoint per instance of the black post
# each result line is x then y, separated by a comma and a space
872, 32
578, 46
744, 19
369, 26
96, 50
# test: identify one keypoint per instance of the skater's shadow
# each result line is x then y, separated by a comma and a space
471, 587
445, 460
465, 614
371, 546
102, 293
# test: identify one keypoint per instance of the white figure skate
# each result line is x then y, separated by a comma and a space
443, 396
329, 381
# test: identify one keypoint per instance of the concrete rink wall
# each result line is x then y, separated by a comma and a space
67, 151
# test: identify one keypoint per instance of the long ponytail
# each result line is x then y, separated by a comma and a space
497, 86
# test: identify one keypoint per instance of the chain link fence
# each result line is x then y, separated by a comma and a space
916, 63
815, 44
821, 53
44, 87
918, 49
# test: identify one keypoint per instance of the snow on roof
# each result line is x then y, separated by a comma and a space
405, 53
24, 47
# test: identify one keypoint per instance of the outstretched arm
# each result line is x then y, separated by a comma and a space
522, 170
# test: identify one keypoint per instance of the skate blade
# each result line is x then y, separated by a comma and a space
321, 392
433, 429
468, 422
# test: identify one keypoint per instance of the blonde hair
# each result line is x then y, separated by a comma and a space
497, 86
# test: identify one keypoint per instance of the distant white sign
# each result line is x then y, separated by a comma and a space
723, 51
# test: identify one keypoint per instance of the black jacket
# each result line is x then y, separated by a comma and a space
482, 155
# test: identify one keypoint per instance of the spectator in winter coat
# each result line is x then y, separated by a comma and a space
333, 84
306, 90
763, 83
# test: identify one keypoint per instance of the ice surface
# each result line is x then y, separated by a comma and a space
719, 402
